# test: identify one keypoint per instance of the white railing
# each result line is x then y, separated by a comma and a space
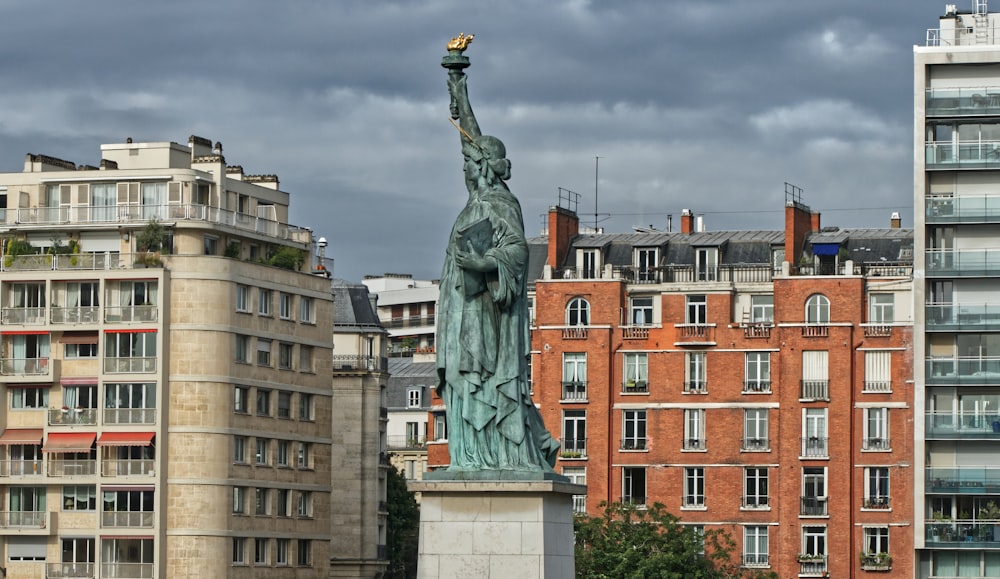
129, 365
130, 416
142, 519
128, 467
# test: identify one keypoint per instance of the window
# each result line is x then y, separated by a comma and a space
814, 434
755, 435
577, 475
281, 551
574, 385
646, 261
130, 403
25, 459
588, 264
307, 314
641, 311
694, 487
636, 373
263, 352
260, 501
305, 358
242, 349
281, 503
814, 543
815, 375
130, 345
239, 500
574, 442
264, 302
84, 396
578, 312
633, 430
877, 541
755, 487
817, 309
239, 449
260, 454
284, 356
79, 498
73, 351
755, 546
878, 371
876, 434
413, 397
281, 458
697, 310
762, 309
29, 354
305, 406
707, 259
241, 402
260, 551
242, 298
76, 552
813, 492
285, 306
303, 553
694, 373
877, 487
302, 455
239, 551
211, 245
758, 372
27, 397
634, 485
881, 308
303, 506
440, 426
284, 404
694, 429
263, 402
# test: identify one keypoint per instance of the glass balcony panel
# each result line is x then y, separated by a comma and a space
965, 479
965, 209
963, 316
977, 101
127, 570
145, 365
143, 519
963, 262
963, 534
948, 425
130, 416
963, 370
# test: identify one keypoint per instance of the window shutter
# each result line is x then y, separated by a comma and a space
83, 194
123, 193
65, 194
174, 193
133, 193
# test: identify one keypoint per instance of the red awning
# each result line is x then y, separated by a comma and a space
79, 338
126, 439
132, 331
126, 537
69, 442
21, 436
25, 332
78, 380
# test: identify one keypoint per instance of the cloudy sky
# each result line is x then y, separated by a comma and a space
708, 105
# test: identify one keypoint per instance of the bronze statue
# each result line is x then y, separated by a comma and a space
483, 338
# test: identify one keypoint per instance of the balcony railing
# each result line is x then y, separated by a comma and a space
579, 504
976, 101
958, 317
876, 562
635, 332
695, 386
15, 468
876, 330
130, 314
815, 331
815, 390
815, 447
128, 467
409, 322
23, 316
752, 502
71, 467
633, 444
964, 209
637, 500
757, 330
140, 519
693, 501
695, 333
756, 386
78, 315
876, 503
574, 391
68, 570
963, 370
130, 365
406, 442
727, 273
635, 387
964, 154
129, 415
755, 444
25, 367
963, 533
348, 363
694, 444
72, 416
971, 426
127, 570
813, 507
573, 448
875, 444
574, 333
963, 262
878, 386
965, 479
28, 519
812, 565
755, 560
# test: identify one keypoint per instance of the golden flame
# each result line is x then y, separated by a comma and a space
460, 42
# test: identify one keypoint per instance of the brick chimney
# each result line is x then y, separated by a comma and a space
687, 221
895, 221
564, 225
799, 222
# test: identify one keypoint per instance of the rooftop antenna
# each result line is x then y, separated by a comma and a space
598, 217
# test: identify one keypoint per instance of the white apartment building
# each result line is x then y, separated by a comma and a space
167, 405
957, 283
406, 307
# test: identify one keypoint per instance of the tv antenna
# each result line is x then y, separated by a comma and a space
598, 217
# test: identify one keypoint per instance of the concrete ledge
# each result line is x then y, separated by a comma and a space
495, 486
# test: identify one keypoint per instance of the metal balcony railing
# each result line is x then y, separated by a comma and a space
812, 565
755, 502
815, 390
72, 416
130, 365
813, 506
129, 314
400, 442
575, 390
815, 447
633, 444
348, 363
635, 387
694, 444
58, 467
34, 316
874, 443
573, 447
140, 519
759, 444
129, 415
25, 367
755, 560
128, 467
757, 386
876, 503
876, 330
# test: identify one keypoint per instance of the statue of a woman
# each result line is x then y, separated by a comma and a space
483, 338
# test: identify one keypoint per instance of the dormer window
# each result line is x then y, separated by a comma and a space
707, 263
646, 260
588, 263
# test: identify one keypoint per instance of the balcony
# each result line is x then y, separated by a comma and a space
694, 444
19, 468
815, 447
579, 504
129, 415
754, 330
756, 386
27, 522
574, 333
695, 334
136, 519
574, 391
693, 502
815, 390
128, 467
755, 503
127, 570
755, 445
696, 387
874, 330
962, 155
633, 444
951, 102
635, 332
877, 387
58, 467
963, 371
963, 534
813, 507
965, 209
67, 570
726, 273
72, 416
409, 322
950, 317
965, 480
815, 331
875, 444
812, 565
972, 426
80, 315
130, 314
876, 503
26, 368
398, 442
636, 500
130, 365
635, 387
755, 560
23, 316
349, 363
962, 262
573, 448
876, 562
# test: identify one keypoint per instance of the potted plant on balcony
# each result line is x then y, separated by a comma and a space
991, 512
876, 561
809, 557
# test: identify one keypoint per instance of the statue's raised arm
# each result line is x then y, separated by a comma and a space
455, 61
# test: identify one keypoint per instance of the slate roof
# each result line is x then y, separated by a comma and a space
352, 308
870, 245
405, 373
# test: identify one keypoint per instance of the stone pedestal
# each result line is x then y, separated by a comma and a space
496, 529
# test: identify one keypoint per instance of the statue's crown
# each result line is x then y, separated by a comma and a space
460, 42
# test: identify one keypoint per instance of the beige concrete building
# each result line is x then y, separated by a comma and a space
167, 397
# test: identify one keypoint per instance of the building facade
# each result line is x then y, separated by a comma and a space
957, 296
406, 308
165, 372
703, 371
408, 401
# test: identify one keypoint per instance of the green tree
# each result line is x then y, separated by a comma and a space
402, 527
288, 258
625, 542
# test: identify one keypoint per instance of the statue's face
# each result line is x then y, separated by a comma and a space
473, 170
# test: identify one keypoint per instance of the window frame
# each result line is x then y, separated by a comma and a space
817, 310
694, 488
640, 313
755, 487
578, 312
694, 429
879, 305
265, 299
634, 481
634, 433
284, 306
696, 372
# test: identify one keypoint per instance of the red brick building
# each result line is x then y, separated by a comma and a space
702, 371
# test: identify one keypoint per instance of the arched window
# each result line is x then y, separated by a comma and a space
817, 309
578, 312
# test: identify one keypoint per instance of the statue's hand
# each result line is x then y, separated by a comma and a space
472, 260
